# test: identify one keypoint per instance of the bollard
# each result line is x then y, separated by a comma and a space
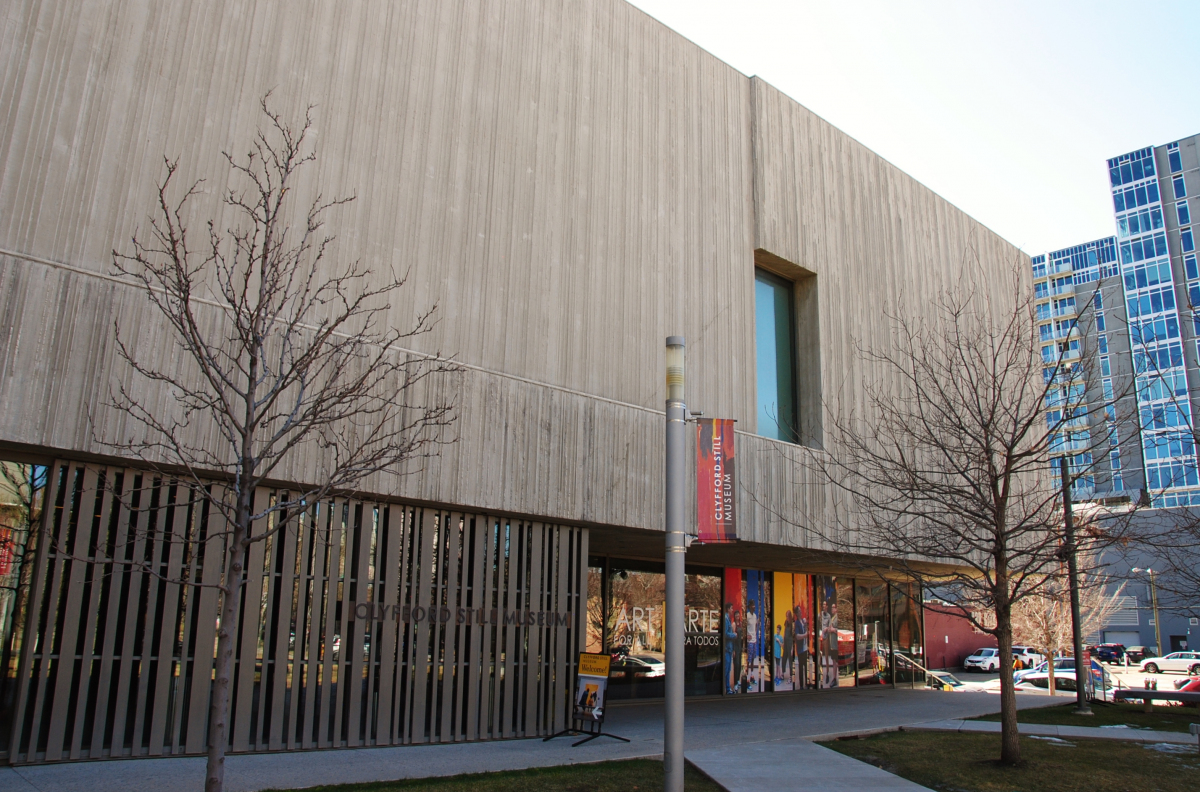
1194, 728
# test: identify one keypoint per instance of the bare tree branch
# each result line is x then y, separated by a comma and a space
945, 469
282, 354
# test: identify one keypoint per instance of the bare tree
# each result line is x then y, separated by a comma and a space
1043, 620
947, 470
283, 354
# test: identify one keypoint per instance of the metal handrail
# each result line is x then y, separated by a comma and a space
912, 662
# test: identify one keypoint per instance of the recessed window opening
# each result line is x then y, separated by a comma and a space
775, 342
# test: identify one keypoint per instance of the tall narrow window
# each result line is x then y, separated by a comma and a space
775, 339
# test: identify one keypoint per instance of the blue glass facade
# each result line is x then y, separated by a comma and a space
1154, 301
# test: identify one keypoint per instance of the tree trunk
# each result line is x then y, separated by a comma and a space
1010, 745
1050, 669
218, 730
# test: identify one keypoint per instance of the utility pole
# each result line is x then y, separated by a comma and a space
1082, 675
1158, 647
1154, 609
676, 536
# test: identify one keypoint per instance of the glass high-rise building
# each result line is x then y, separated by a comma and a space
1141, 386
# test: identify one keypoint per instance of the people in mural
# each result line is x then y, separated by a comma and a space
753, 644
827, 637
747, 616
733, 631
730, 634
760, 635
788, 653
800, 638
777, 667
804, 669
752, 631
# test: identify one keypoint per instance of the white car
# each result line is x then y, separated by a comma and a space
1028, 657
1063, 680
1060, 664
983, 660
1180, 662
640, 666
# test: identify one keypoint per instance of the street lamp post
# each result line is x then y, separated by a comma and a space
1082, 675
1154, 608
676, 538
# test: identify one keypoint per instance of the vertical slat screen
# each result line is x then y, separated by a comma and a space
363, 623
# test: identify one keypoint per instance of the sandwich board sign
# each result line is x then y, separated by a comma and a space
591, 686
587, 707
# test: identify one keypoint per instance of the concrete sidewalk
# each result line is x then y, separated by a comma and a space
794, 764
1050, 730
713, 725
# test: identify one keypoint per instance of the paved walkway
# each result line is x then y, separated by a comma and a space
1049, 730
795, 763
718, 731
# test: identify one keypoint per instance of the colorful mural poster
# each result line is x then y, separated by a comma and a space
783, 642
826, 620
733, 631
746, 631
804, 668
792, 658
758, 631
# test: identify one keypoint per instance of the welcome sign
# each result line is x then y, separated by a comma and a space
591, 686
715, 480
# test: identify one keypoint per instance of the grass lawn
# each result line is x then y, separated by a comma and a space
1174, 719
619, 776
967, 763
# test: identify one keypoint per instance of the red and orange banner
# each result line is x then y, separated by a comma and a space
715, 481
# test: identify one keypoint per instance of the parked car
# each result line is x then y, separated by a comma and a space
983, 660
1026, 657
943, 680
641, 666
1175, 662
1137, 654
1109, 653
1060, 664
1063, 680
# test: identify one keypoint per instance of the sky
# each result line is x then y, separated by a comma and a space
1008, 110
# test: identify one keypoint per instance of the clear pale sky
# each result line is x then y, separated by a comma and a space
1007, 109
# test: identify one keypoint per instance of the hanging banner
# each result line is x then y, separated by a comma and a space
715, 481
590, 687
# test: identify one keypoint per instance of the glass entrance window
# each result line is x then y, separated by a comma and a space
702, 636
594, 637
845, 634
872, 633
775, 344
634, 636
908, 643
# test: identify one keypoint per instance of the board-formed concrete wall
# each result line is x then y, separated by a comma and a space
569, 181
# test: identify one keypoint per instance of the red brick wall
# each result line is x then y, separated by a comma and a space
950, 637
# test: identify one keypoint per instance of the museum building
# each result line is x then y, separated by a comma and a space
569, 183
